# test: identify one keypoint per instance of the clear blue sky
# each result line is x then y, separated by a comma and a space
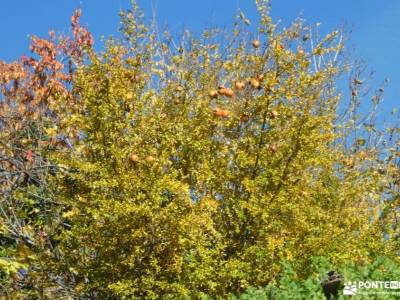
374, 23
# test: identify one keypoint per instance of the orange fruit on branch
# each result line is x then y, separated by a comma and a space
255, 83
229, 93
221, 90
213, 94
240, 85
220, 112
244, 118
179, 88
272, 148
134, 157
273, 114
256, 43
279, 47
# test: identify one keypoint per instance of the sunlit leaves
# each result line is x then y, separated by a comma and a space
178, 169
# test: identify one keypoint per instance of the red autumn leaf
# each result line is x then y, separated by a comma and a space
29, 155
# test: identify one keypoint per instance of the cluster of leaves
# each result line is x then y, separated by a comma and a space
28, 118
151, 170
291, 287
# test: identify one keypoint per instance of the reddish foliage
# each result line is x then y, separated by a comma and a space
29, 155
29, 88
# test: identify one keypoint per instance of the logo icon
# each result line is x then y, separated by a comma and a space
350, 288
394, 285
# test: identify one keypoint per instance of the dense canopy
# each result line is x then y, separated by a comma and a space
164, 167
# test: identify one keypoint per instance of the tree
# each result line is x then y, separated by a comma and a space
29, 209
197, 169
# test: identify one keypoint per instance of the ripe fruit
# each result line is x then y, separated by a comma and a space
213, 94
222, 113
300, 52
256, 44
221, 90
229, 93
273, 114
134, 157
272, 148
244, 118
255, 83
179, 88
240, 85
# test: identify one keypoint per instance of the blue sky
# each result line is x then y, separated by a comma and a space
374, 24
